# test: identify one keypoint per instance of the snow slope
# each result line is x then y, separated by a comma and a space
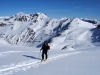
74, 43
26, 61
33, 29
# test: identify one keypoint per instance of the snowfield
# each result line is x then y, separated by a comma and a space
74, 45
27, 61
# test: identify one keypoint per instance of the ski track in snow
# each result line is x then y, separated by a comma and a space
2, 54
25, 65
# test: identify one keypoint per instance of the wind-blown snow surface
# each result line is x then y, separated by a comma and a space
33, 29
26, 61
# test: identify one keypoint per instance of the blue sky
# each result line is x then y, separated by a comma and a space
53, 8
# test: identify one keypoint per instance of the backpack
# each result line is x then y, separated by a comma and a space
48, 47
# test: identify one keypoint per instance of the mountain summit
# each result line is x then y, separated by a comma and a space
34, 29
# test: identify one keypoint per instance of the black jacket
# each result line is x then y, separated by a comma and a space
44, 47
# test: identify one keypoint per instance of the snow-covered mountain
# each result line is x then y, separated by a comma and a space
73, 43
33, 29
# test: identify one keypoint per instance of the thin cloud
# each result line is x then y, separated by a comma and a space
77, 7
59, 10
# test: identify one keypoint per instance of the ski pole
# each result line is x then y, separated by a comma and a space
40, 54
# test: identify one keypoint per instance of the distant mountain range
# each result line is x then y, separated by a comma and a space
33, 29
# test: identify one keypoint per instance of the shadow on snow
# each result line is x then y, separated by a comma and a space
31, 57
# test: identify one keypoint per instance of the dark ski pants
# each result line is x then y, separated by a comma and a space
44, 53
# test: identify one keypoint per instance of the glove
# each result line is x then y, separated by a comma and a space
40, 49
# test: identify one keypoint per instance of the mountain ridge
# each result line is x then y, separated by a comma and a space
33, 29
